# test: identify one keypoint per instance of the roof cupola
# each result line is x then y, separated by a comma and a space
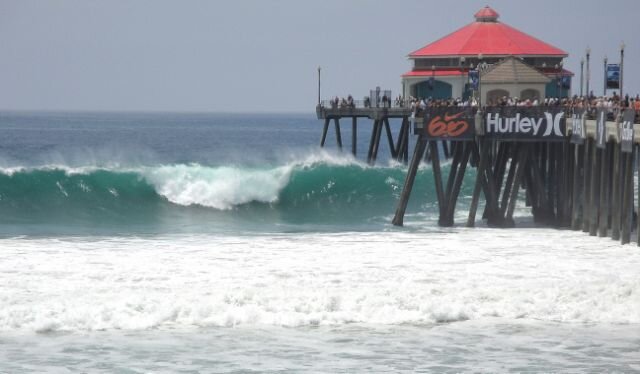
486, 14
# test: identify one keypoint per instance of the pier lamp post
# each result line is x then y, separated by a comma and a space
588, 52
481, 67
473, 91
462, 61
557, 81
562, 78
604, 88
581, 74
432, 86
621, 68
319, 84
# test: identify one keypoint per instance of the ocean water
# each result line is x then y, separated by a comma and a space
135, 243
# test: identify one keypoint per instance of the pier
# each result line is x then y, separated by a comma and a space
377, 116
571, 171
514, 128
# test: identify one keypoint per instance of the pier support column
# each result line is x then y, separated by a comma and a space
336, 121
398, 219
483, 161
595, 189
603, 219
324, 132
523, 154
376, 133
462, 152
354, 135
627, 197
615, 194
402, 143
392, 147
638, 211
586, 196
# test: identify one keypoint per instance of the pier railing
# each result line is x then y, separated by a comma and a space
359, 104
361, 108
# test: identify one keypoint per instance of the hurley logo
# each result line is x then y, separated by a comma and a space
525, 125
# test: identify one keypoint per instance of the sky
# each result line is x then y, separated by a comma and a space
263, 55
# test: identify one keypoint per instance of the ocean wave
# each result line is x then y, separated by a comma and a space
319, 185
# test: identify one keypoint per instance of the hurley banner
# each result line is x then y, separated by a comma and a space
449, 123
578, 131
524, 123
626, 131
613, 76
601, 128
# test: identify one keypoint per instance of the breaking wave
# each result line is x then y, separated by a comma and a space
317, 189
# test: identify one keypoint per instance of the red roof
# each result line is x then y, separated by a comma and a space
489, 37
435, 73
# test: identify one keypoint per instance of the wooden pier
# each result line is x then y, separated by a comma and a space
379, 116
573, 172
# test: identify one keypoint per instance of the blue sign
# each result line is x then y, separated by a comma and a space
613, 76
474, 79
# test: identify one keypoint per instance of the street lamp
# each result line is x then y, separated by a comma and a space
621, 68
462, 61
604, 89
481, 67
557, 81
581, 74
473, 91
433, 79
588, 52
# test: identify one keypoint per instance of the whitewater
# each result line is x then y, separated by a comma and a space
128, 243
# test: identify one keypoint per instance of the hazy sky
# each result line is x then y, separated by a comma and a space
258, 55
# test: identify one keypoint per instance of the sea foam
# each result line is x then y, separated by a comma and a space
383, 278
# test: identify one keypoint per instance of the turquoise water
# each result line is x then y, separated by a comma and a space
94, 173
133, 242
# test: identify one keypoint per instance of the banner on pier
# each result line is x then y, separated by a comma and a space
474, 79
613, 76
601, 128
578, 130
449, 123
626, 131
525, 123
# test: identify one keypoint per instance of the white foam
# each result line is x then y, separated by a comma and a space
221, 187
316, 279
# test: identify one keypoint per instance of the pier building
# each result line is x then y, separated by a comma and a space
510, 62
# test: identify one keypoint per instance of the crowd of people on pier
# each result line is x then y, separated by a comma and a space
613, 103
342, 103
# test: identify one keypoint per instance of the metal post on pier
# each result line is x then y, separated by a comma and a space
621, 69
604, 87
581, 74
588, 52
